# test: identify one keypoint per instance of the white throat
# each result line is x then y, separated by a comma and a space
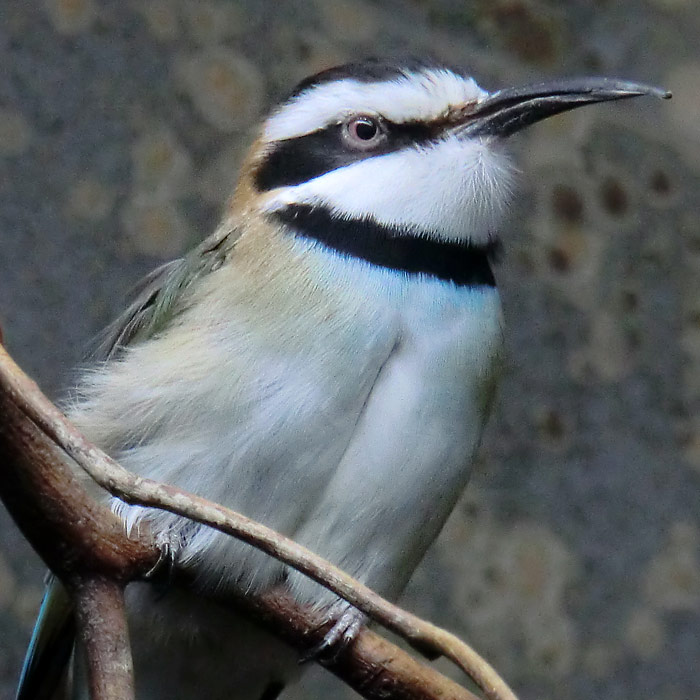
454, 190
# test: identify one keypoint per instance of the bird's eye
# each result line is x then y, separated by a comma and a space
363, 132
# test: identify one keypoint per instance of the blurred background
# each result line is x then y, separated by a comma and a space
573, 562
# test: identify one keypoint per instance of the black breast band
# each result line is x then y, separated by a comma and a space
464, 264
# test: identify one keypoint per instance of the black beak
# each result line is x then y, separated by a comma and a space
507, 111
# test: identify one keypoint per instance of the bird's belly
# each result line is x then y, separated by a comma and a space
357, 445
189, 647
266, 449
410, 455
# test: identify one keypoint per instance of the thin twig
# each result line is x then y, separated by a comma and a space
138, 490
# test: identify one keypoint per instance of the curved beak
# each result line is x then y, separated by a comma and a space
510, 110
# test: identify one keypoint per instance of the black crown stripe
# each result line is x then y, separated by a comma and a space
370, 70
464, 264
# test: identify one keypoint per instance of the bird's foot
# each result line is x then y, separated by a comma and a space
347, 624
166, 558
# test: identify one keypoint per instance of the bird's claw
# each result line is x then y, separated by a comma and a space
339, 636
166, 558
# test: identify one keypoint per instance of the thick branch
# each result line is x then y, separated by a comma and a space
371, 665
71, 531
104, 638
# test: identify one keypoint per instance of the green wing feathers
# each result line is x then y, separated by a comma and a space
162, 294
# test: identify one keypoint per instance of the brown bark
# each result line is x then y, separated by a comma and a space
104, 638
69, 530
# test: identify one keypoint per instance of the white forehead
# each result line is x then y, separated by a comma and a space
411, 96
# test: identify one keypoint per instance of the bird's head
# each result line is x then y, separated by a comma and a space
412, 149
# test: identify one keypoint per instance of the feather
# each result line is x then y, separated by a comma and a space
161, 295
51, 646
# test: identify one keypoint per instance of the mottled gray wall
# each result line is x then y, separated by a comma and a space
573, 562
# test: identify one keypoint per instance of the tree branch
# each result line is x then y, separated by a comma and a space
69, 529
18, 392
80, 540
104, 638
371, 665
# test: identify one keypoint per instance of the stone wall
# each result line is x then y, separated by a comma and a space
573, 562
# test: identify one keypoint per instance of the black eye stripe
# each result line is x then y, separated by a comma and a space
297, 160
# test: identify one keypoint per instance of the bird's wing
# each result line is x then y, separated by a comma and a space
50, 647
158, 298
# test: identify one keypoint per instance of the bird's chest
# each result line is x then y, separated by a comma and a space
433, 396
421, 419
364, 332
447, 343
409, 452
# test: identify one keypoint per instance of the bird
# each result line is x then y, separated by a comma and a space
324, 363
